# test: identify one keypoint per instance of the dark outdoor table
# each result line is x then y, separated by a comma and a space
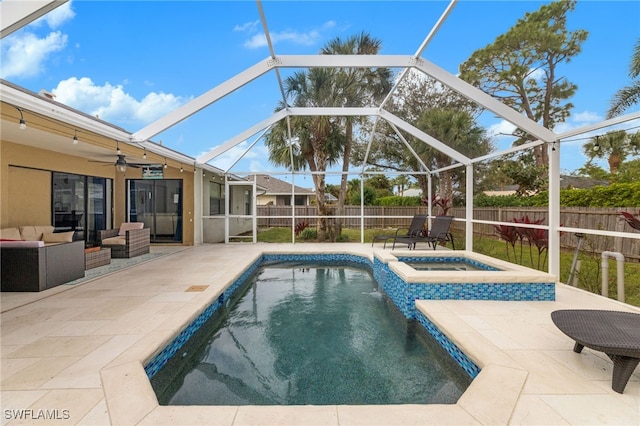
615, 333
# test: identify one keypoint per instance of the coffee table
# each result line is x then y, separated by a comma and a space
94, 258
615, 333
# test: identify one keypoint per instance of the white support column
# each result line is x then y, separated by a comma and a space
361, 213
293, 209
554, 209
469, 209
429, 197
226, 210
254, 209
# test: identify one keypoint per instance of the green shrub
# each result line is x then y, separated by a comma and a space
342, 238
396, 200
309, 234
614, 195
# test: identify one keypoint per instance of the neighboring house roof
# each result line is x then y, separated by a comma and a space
579, 182
411, 192
566, 182
275, 186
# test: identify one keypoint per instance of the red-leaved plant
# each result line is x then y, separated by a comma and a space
631, 219
301, 226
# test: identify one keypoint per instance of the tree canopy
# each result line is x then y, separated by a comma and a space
521, 68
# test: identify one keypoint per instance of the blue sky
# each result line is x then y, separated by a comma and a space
131, 62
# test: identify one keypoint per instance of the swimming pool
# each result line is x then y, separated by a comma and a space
404, 286
299, 334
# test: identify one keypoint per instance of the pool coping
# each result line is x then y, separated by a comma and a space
127, 374
507, 272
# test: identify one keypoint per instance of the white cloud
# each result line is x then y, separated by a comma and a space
250, 27
587, 117
228, 158
308, 38
24, 54
112, 103
58, 16
537, 74
502, 128
258, 166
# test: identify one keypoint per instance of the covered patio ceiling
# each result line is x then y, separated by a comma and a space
16, 14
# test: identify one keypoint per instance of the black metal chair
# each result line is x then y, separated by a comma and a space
416, 228
439, 233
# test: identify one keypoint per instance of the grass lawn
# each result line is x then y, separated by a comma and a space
590, 275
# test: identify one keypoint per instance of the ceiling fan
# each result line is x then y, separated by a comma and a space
121, 163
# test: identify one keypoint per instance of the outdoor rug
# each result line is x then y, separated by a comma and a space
116, 265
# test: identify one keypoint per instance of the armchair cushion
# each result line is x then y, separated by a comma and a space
127, 226
119, 241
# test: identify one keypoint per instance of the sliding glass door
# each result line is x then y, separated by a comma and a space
158, 204
81, 204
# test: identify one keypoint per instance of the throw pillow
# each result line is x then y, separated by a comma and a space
10, 234
127, 226
58, 237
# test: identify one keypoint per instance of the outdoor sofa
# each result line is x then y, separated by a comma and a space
34, 258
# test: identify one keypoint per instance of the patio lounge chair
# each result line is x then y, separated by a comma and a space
615, 333
416, 228
439, 233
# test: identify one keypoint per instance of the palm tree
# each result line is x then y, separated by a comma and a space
628, 95
614, 146
456, 129
315, 141
402, 182
356, 87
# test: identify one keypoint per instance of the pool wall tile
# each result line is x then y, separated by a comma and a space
454, 351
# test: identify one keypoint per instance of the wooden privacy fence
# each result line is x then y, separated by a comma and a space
606, 219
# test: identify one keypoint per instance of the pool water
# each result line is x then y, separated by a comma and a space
310, 335
421, 263
449, 266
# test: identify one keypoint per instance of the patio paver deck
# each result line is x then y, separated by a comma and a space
77, 353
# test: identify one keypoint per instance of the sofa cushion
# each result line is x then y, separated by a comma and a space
10, 233
58, 237
127, 226
34, 233
114, 241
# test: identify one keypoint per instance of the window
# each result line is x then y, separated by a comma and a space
216, 198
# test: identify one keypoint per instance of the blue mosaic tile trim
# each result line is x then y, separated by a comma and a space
320, 257
230, 291
161, 358
471, 262
467, 365
484, 291
380, 271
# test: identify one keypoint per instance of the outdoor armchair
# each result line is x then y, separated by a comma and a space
415, 229
130, 240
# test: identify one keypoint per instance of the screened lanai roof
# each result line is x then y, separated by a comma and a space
16, 14
280, 61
